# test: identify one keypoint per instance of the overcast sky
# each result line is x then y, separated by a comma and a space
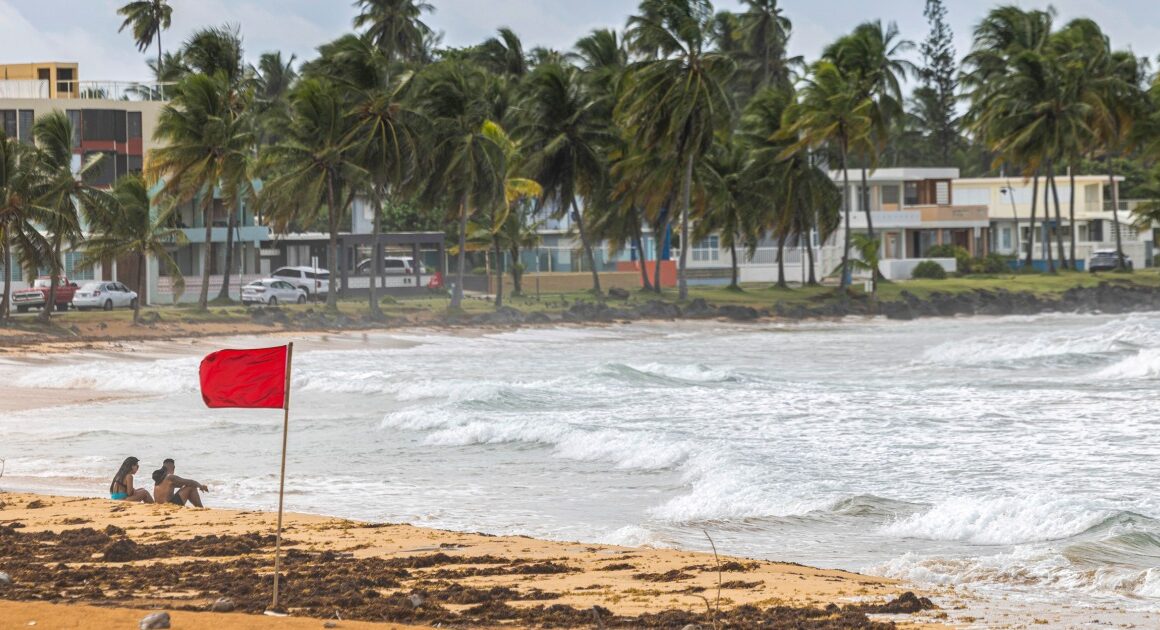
85, 31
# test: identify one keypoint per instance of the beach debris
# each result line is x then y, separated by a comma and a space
113, 530
34, 504
330, 624
618, 293
417, 600
906, 603
692, 626
122, 550
5, 579
223, 604
156, 621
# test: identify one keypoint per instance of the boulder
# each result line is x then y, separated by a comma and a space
699, 309
656, 309
156, 621
618, 293
738, 313
223, 604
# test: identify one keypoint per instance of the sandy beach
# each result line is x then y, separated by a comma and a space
79, 562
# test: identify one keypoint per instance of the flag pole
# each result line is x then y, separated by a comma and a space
282, 477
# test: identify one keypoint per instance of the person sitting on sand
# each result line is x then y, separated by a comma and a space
122, 487
174, 489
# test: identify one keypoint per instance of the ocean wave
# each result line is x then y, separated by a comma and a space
1143, 364
635, 536
999, 520
667, 373
1067, 346
151, 377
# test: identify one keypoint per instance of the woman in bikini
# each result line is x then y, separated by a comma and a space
122, 487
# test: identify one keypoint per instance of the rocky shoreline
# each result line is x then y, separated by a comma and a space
1107, 297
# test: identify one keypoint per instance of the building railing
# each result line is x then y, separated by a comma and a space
103, 90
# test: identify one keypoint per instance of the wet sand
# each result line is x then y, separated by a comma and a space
66, 555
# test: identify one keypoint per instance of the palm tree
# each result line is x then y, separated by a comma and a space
504, 55
564, 138
1120, 121
871, 59
204, 145
19, 214
395, 27
272, 80
315, 166
674, 102
518, 232
515, 190
147, 18
127, 226
466, 168
729, 196
765, 31
834, 112
63, 193
214, 51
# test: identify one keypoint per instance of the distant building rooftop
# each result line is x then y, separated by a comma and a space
61, 80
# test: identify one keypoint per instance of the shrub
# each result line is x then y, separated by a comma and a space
961, 255
991, 263
929, 269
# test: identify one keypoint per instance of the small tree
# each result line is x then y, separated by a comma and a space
868, 257
126, 226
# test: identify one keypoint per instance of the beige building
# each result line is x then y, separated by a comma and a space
1009, 203
47, 79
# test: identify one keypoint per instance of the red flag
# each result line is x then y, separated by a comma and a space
245, 378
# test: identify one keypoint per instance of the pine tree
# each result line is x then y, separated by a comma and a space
938, 76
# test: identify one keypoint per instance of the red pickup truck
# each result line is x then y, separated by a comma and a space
36, 296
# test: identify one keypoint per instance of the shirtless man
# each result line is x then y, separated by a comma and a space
170, 488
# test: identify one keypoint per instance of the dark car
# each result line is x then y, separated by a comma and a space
1105, 260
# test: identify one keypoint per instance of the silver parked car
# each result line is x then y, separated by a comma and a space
272, 291
105, 295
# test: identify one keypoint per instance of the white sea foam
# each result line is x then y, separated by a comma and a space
1118, 335
635, 536
153, 377
999, 520
1143, 364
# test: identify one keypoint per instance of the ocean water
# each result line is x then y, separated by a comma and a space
1015, 458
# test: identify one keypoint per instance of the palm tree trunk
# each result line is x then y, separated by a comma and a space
1031, 222
1058, 219
813, 281
158, 52
864, 200
661, 229
461, 256
781, 263
498, 274
1071, 214
140, 288
332, 247
1047, 218
736, 266
638, 242
203, 296
686, 241
1120, 265
845, 281
231, 225
517, 272
54, 277
5, 308
377, 257
587, 247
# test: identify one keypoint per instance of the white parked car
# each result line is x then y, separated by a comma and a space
397, 271
105, 295
272, 291
312, 281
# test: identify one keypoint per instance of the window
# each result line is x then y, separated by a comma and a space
8, 120
942, 193
890, 195
134, 121
64, 80
707, 249
1005, 238
100, 125
74, 274
910, 197
105, 172
26, 117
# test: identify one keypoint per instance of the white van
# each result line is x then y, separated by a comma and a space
398, 271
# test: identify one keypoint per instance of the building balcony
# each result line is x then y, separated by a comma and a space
242, 234
953, 216
99, 90
887, 219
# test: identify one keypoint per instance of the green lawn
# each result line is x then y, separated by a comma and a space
760, 296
